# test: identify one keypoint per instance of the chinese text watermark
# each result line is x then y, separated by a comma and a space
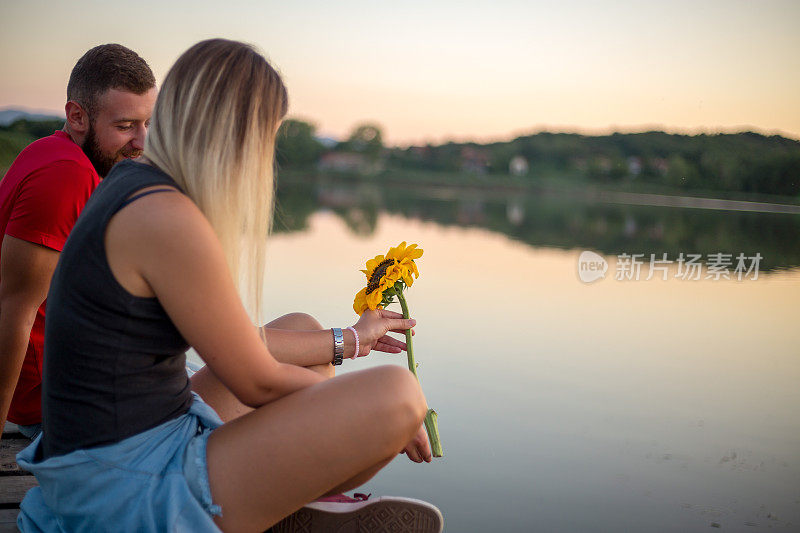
691, 267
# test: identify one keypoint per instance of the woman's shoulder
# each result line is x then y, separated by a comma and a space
157, 233
159, 220
161, 208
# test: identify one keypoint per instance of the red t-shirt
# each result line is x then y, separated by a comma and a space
41, 196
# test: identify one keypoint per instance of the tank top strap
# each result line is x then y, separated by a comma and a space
126, 182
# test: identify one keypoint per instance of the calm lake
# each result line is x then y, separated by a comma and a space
617, 405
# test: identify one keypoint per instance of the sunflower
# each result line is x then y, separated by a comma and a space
405, 256
383, 272
387, 276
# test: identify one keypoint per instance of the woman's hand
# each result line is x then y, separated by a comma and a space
373, 327
419, 449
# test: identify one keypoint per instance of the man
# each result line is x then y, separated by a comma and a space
110, 97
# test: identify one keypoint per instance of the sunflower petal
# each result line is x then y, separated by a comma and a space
374, 299
360, 301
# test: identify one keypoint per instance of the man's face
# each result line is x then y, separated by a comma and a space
118, 129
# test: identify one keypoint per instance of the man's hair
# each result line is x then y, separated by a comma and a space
104, 67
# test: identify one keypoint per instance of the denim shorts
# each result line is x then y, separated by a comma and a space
156, 480
195, 470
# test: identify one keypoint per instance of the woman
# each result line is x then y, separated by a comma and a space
153, 266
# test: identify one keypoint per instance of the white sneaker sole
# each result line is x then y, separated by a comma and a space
386, 514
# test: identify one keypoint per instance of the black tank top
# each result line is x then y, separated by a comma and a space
114, 363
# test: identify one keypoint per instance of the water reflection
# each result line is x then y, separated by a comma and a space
650, 406
553, 220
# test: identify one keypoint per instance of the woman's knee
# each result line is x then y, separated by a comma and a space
296, 321
402, 396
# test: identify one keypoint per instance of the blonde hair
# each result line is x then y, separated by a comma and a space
213, 131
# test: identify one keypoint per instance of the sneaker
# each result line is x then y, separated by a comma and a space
342, 514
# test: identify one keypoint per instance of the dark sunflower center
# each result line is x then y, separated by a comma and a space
375, 279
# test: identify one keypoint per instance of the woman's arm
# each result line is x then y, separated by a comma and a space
308, 348
162, 245
304, 348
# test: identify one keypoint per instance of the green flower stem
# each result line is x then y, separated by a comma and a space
432, 427
409, 338
431, 418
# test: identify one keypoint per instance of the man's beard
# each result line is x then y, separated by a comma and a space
102, 162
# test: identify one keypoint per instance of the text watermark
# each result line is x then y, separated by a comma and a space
690, 267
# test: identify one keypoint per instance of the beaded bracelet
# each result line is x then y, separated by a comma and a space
351, 328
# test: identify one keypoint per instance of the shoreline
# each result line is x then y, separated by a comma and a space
502, 187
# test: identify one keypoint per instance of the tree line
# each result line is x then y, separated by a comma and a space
732, 162
19, 134
736, 162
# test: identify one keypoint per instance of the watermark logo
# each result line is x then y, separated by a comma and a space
591, 267
687, 267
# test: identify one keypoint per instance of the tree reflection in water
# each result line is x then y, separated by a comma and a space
548, 219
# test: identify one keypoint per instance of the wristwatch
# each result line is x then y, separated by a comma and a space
338, 346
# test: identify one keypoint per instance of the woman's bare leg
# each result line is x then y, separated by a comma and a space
228, 407
272, 461
222, 400
359, 479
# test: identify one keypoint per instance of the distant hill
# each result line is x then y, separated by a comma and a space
20, 127
10, 115
744, 162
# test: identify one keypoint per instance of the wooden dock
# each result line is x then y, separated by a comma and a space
14, 482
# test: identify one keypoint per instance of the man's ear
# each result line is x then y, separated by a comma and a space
77, 118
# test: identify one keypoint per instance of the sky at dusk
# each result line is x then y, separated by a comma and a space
434, 71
